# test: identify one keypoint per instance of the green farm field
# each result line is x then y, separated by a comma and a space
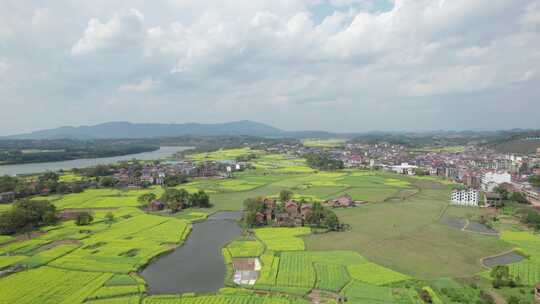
395, 246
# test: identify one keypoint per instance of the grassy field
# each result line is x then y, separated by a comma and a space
324, 143
406, 236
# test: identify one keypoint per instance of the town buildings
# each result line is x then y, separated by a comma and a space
490, 180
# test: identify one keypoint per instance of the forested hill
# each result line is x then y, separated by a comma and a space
149, 130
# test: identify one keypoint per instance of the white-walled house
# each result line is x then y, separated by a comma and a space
404, 168
468, 197
490, 180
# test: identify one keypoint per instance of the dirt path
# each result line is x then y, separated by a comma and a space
497, 297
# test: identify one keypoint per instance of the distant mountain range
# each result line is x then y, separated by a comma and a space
115, 130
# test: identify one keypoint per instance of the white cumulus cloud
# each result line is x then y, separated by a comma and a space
121, 32
144, 86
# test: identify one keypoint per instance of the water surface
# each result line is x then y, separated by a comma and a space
197, 266
86, 162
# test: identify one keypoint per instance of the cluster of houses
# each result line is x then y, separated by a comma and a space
293, 213
7, 197
155, 174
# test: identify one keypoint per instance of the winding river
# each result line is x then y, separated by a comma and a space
86, 162
197, 265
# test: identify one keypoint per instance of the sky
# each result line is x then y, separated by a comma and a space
335, 65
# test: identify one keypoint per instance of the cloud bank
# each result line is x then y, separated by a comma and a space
339, 65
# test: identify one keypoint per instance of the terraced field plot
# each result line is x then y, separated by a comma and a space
222, 299
50, 285
282, 239
100, 198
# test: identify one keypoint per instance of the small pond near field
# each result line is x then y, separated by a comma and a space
197, 266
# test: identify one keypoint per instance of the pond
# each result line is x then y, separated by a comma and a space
505, 259
197, 266
86, 162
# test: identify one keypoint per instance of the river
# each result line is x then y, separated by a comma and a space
197, 265
86, 162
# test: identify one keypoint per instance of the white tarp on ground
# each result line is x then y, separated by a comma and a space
248, 277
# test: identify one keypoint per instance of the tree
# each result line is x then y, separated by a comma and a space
331, 220
501, 277
534, 180
174, 180
77, 188
199, 199
107, 181
26, 215
147, 198
285, 195
316, 216
62, 188
519, 197
502, 191
109, 218
83, 218
175, 199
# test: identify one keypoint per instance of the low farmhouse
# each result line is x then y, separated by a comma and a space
7, 197
492, 199
291, 213
157, 205
342, 201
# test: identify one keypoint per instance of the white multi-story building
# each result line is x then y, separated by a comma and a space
404, 168
469, 197
490, 180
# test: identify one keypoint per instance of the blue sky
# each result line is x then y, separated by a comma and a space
325, 8
337, 65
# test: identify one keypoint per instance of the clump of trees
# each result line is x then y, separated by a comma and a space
146, 199
502, 278
323, 217
48, 182
285, 195
532, 218
174, 180
26, 215
535, 180
322, 161
84, 218
178, 199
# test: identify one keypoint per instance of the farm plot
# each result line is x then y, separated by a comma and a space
127, 245
8, 260
101, 198
50, 285
374, 274
228, 154
44, 257
283, 239
357, 292
331, 277
295, 270
135, 299
407, 237
222, 299
268, 274
245, 248
528, 270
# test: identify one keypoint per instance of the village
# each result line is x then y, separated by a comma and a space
487, 176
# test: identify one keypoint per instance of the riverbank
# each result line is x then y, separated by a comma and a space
32, 168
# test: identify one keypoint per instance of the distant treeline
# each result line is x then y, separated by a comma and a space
213, 143
35, 151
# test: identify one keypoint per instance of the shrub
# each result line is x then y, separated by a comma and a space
83, 219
